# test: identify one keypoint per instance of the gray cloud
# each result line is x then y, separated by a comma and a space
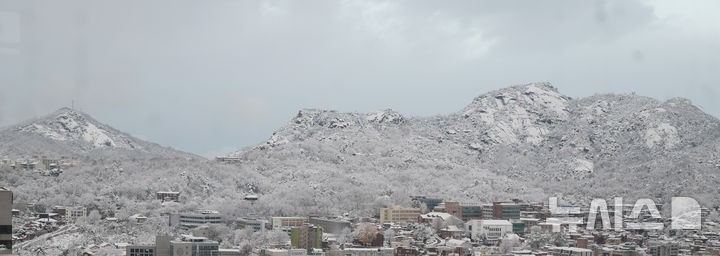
201, 75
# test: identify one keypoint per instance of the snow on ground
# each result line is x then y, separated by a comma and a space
551, 99
664, 134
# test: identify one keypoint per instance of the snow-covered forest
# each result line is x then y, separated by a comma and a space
527, 142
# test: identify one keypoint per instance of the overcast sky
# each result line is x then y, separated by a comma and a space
210, 77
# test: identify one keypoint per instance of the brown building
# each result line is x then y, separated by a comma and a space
453, 208
379, 240
403, 251
581, 242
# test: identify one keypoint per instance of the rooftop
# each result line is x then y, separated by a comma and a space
495, 222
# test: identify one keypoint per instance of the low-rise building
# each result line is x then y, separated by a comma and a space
168, 196
255, 224
194, 246
506, 210
74, 212
137, 218
407, 251
282, 252
471, 211
570, 251
140, 250
382, 251
663, 248
430, 203
334, 226
398, 214
286, 223
490, 230
195, 219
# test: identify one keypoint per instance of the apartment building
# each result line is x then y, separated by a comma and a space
398, 214
306, 237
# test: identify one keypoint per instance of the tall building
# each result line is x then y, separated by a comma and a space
306, 237
398, 214
6, 201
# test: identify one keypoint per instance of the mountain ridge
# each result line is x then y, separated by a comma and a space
69, 132
528, 133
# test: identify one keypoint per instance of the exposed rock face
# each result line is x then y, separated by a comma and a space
527, 136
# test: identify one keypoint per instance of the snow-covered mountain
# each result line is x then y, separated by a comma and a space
522, 140
68, 132
526, 141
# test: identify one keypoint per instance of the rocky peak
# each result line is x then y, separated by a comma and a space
70, 125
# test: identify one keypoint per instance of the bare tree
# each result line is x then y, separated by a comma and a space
365, 233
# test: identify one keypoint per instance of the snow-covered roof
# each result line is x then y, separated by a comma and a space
573, 249
443, 215
455, 242
495, 222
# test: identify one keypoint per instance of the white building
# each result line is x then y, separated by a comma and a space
489, 229
74, 212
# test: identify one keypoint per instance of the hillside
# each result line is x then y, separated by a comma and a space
71, 133
526, 141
